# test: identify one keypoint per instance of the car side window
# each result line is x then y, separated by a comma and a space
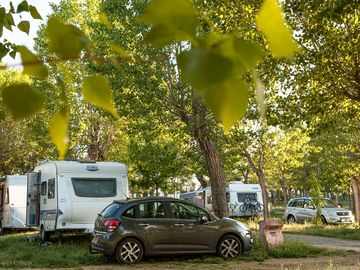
151, 210
186, 211
308, 204
130, 213
299, 203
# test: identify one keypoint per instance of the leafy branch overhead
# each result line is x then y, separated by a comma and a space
214, 65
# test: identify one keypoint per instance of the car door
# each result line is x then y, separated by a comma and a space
299, 210
309, 210
155, 226
189, 234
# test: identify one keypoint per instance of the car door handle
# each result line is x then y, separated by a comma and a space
144, 224
179, 224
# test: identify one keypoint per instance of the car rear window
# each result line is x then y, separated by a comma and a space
111, 210
94, 187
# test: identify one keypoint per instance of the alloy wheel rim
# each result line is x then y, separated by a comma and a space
130, 252
229, 248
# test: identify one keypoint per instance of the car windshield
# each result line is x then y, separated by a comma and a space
329, 204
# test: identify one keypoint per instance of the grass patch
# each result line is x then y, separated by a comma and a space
290, 249
336, 231
16, 252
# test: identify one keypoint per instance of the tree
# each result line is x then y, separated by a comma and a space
197, 64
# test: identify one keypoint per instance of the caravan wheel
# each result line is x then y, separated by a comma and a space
44, 235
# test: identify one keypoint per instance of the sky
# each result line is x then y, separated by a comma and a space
20, 38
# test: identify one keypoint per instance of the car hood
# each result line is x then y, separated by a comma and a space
326, 210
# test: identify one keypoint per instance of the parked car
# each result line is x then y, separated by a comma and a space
303, 209
133, 228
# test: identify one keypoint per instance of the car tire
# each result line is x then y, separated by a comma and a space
323, 220
291, 219
129, 251
229, 247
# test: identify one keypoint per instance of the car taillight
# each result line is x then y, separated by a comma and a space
112, 224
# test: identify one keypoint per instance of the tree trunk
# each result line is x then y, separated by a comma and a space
202, 180
259, 171
215, 167
285, 194
355, 184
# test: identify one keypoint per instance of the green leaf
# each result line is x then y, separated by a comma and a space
66, 41
23, 6
21, 100
1, 30
97, 91
173, 20
104, 20
271, 22
203, 68
8, 21
32, 65
12, 9
24, 26
34, 13
3, 51
58, 130
245, 54
227, 100
13, 54
118, 50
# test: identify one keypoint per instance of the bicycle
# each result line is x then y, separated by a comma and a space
251, 207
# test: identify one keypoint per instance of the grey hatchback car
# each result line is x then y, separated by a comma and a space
133, 228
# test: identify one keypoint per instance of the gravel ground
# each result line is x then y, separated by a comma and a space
326, 242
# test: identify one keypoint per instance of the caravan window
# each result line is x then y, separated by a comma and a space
51, 189
7, 196
43, 189
244, 196
94, 187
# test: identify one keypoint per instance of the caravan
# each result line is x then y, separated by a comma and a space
244, 200
68, 195
12, 202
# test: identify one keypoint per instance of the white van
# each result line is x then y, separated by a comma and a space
238, 196
12, 202
68, 195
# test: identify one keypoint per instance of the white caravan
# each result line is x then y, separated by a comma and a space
13, 202
68, 195
236, 194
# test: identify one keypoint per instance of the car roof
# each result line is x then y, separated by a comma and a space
147, 199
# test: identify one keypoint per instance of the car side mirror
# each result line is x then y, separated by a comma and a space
203, 219
312, 207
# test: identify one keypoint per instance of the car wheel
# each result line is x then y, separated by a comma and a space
323, 220
229, 247
129, 251
291, 219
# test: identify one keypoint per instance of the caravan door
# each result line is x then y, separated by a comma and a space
33, 199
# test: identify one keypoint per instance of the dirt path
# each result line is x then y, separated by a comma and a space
350, 261
326, 242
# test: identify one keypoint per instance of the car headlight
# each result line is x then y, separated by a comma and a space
243, 226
